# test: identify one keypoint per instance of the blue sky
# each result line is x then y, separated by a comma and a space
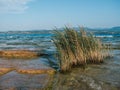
46, 14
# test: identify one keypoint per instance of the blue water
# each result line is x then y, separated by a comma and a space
98, 75
34, 40
109, 37
24, 40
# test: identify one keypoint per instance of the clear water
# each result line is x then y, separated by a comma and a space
24, 40
42, 39
109, 37
96, 77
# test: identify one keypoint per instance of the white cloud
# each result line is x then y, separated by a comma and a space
13, 6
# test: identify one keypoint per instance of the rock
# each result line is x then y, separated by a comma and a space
17, 81
18, 54
28, 74
5, 70
33, 71
33, 66
36, 69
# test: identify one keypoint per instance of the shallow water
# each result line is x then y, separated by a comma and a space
94, 77
16, 81
105, 76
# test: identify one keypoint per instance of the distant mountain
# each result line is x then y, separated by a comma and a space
115, 28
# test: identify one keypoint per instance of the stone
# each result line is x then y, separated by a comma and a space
18, 54
17, 81
36, 69
5, 70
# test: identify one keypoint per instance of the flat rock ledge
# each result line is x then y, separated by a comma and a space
24, 54
17, 81
35, 71
26, 77
28, 69
4, 70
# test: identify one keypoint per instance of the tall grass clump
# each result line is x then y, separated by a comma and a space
77, 48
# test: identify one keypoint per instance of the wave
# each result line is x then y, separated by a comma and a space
102, 36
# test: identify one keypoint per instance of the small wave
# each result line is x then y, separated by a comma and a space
3, 44
102, 36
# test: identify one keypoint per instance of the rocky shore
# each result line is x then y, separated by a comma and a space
24, 70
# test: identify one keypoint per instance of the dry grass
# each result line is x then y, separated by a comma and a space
77, 48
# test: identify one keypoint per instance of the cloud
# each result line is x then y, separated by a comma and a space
13, 6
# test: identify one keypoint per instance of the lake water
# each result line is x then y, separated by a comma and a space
96, 77
33, 40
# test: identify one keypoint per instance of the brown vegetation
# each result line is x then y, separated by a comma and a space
78, 48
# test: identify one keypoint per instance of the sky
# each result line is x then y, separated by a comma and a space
47, 14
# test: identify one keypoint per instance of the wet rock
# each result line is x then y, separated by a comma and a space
79, 79
16, 81
36, 71
5, 70
18, 54
28, 74
33, 67
90, 82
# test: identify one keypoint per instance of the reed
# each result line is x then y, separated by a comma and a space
77, 48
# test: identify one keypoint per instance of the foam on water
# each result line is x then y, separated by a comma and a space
110, 36
40, 39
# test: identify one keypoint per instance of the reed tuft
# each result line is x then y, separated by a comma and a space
77, 48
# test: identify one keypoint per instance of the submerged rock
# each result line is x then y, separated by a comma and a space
16, 81
20, 74
80, 81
